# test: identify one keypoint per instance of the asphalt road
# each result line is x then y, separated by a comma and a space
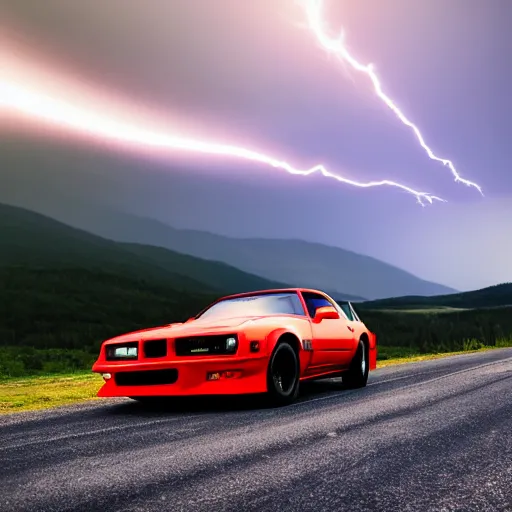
431, 436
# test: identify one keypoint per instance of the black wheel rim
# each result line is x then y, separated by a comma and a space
284, 372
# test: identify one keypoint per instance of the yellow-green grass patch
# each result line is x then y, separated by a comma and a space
43, 392
428, 357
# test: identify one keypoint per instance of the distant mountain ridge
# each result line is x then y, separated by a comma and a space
32, 240
342, 273
302, 263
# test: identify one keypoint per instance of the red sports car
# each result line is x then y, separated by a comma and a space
258, 342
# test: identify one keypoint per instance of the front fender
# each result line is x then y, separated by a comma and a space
305, 355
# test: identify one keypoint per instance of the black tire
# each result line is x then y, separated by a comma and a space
357, 375
283, 375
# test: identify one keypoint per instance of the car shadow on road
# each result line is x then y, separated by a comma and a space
218, 403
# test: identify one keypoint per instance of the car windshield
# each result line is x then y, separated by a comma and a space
256, 305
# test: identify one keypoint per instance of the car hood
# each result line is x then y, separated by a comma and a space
190, 328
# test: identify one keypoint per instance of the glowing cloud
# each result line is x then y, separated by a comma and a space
336, 47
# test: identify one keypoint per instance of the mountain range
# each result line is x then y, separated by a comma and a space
30, 240
343, 273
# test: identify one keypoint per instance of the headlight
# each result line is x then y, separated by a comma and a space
231, 344
124, 351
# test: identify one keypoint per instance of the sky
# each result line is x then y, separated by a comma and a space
252, 74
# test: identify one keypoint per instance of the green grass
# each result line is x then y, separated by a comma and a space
427, 357
44, 392
399, 355
47, 391
388, 356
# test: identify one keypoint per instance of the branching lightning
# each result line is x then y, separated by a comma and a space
35, 104
336, 47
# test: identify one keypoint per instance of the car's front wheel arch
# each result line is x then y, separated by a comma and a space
292, 340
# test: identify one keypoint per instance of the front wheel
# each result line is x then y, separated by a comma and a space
283, 375
357, 374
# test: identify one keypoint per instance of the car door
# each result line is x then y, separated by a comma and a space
333, 339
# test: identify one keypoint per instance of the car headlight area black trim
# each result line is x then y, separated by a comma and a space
212, 344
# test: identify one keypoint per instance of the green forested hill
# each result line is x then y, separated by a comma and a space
490, 297
31, 240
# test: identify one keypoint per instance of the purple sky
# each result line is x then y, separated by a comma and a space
251, 73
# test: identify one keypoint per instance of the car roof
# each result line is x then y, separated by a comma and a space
274, 290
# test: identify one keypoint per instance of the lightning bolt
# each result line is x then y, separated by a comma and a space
336, 47
34, 104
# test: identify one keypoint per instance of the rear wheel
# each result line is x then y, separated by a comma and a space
283, 375
357, 374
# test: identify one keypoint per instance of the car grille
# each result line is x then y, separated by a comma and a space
155, 348
146, 378
204, 345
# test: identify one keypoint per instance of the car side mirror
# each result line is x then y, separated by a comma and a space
326, 313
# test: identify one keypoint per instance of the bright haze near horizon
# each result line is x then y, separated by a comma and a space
252, 74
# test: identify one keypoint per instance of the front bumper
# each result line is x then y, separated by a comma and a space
250, 377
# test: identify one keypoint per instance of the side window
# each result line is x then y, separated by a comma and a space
315, 301
354, 312
345, 306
